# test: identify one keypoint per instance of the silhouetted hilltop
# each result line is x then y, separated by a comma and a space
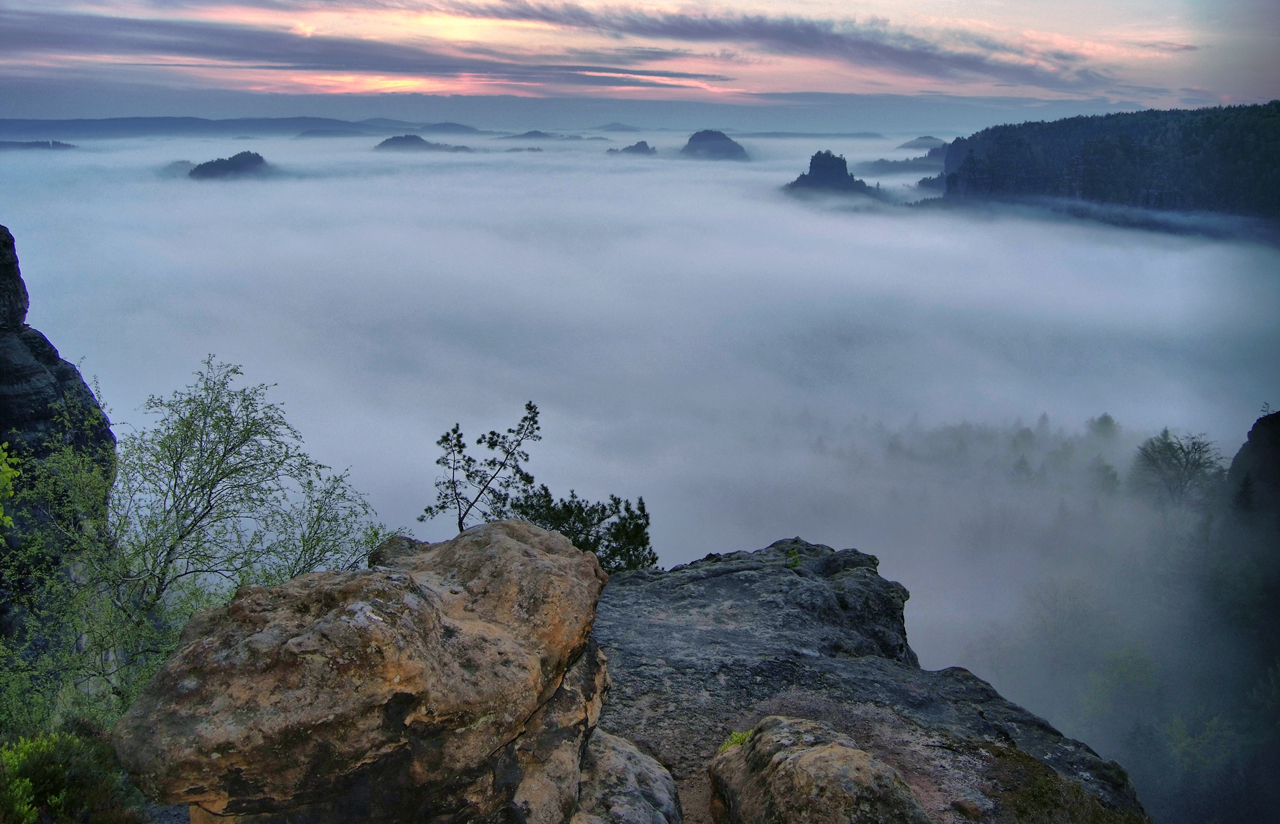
712, 145
331, 133
413, 143
1219, 159
7, 145
925, 142
240, 165
828, 172
535, 134
121, 127
641, 148
448, 128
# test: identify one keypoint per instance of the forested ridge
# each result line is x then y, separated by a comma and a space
1224, 159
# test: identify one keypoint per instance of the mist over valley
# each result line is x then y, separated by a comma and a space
960, 393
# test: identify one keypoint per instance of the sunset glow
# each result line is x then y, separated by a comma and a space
1130, 51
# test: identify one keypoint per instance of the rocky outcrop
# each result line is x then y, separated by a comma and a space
712, 145
451, 682
1254, 476
791, 771
244, 164
830, 173
804, 631
38, 389
621, 785
640, 148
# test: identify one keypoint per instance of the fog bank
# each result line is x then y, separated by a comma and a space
690, 332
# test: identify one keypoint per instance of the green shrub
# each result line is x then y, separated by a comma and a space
793, 559
736, 739
65, 779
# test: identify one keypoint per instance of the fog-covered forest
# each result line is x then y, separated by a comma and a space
1123, 587
1221, 159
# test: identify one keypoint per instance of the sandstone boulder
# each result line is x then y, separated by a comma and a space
791, 771
621, 785
455, 683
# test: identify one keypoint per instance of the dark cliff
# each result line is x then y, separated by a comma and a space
1223, 159
37, 387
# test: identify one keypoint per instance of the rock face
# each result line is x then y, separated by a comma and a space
804, 631
621, 785
829, 172
244, 164
790, 770
451, 682
713, 145
1254, 477
36, 385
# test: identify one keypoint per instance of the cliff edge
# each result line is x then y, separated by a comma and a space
812, 634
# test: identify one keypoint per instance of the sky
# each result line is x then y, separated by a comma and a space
1126, 53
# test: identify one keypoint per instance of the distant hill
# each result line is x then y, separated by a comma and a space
532, 135
313, 133
1220, 159
712, 145
413, 143
447, 128
827, 135
8, 145
930, 162
244, 164
926, 142
124, 127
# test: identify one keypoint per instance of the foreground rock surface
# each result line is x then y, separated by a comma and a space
801, 630
454, 682
621, 785
791, 770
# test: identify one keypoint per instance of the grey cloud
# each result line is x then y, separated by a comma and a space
43, 33
866, 44
1167, 46
870, 42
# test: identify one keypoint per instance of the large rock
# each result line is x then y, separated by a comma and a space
621, 785
830, 173
804, 631
791, 771
453, 683
1254, 477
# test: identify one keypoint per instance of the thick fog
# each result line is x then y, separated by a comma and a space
754, 365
